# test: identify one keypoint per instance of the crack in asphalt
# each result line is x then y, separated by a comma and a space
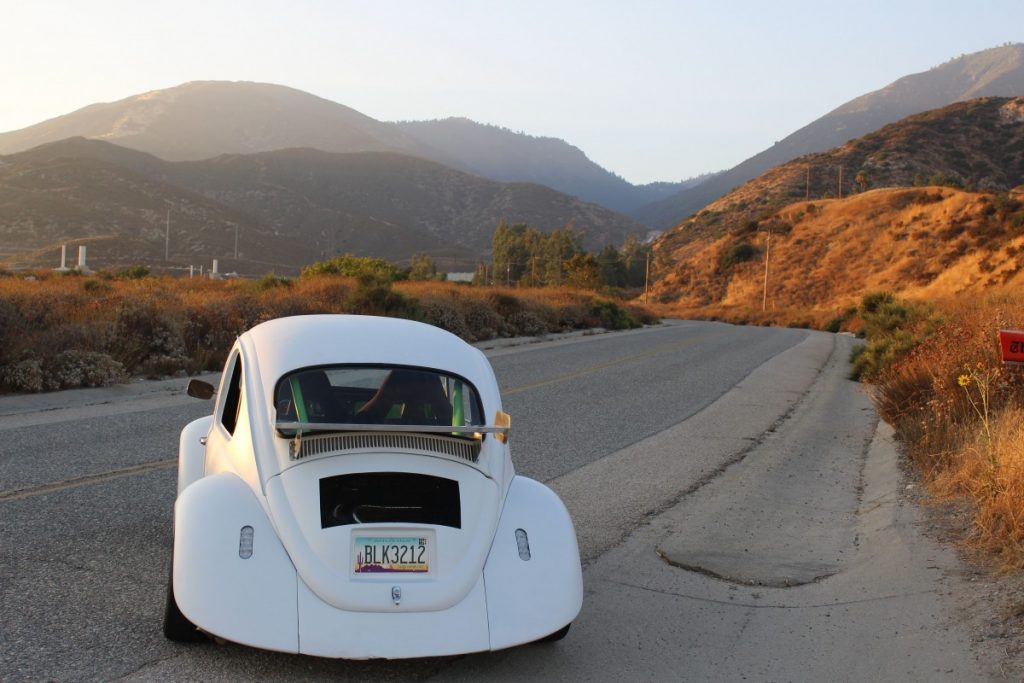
755, 443
754, 605
697, 569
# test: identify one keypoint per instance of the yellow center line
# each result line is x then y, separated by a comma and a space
661, 350
42, 489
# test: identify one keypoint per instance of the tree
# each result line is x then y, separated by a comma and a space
582, 271
862, 181
422, 267
613, 270
559, 247
509, 253
634, 259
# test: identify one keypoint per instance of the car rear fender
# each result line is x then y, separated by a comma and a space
225, 586
192, 451
531, 594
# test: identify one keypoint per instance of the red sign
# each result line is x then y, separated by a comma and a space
1011, 343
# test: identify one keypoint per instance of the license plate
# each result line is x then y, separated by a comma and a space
391, 554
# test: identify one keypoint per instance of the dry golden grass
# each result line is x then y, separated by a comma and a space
920, 243
960, 415
989, 470
62, 331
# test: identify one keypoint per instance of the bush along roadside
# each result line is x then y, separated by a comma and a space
60, 332
957, 411
892, 328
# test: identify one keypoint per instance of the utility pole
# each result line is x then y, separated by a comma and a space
807, 193
767, 251
647, 276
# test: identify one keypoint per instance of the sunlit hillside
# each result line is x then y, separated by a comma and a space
824, 255
927, 208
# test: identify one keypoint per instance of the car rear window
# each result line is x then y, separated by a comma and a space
349, 394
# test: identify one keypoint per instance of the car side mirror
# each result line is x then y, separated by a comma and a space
197, 388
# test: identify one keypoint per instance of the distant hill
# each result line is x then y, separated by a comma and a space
501, 154
995, 72
715, 256
291, 206
204, 119
86, 192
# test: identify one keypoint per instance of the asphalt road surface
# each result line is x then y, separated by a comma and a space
734, 498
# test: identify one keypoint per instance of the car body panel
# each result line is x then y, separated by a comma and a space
325, 631
530, 599
249, 601
192, 451
324, 555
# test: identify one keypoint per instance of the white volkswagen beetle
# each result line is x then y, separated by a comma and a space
349, 497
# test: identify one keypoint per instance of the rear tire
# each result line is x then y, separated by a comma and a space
556, 636
177, 627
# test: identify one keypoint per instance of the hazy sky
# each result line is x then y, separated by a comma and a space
650, 90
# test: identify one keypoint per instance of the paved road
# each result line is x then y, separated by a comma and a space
734, 517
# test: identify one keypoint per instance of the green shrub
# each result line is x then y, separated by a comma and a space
738, 253
272, 281
613, 316
505, 305
892, 328
355, 266
96, 286
75, 368
944, 179
481, 320
444, 314
23, 376
373, 295
133, 273
526, 323
148, 339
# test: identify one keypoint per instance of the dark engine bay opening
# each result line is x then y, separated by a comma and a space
384, 497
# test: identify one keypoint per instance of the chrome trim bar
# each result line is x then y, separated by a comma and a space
351, 427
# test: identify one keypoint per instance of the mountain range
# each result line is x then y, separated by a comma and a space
501, 154
995, 72
291, 206
204, 119
285, 163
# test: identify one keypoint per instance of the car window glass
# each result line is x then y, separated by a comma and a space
376, 395
232, 400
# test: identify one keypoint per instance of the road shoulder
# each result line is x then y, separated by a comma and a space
888, 611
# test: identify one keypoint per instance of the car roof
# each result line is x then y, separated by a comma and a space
285, 344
